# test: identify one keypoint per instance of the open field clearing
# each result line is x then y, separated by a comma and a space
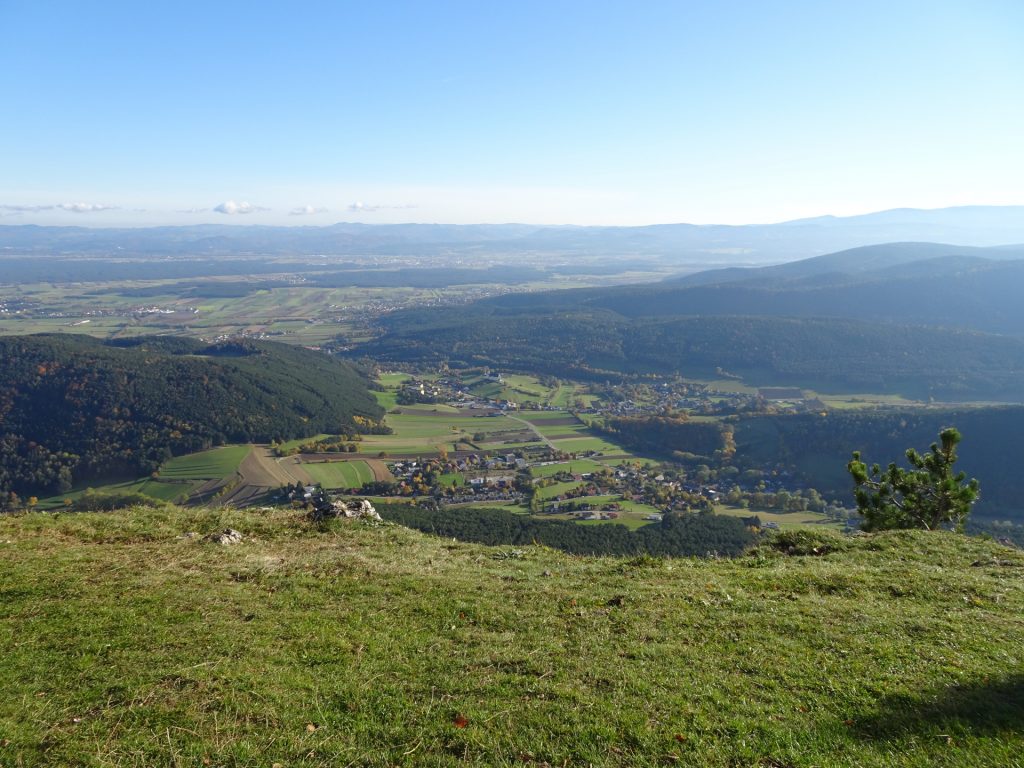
525, 389
576, 445
427, 408
553, 491
386, 399
217, 462
430, 432
578, 466
126, 644
541, 417
339, 474
631, 514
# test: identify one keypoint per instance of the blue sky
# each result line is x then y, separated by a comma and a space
544, 112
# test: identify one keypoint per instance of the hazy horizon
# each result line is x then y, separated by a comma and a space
247, 222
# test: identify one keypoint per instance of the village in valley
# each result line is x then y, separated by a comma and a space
537, 445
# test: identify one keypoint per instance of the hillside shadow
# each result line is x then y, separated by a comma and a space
984, 707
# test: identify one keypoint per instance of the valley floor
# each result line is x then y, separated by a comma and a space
129, 642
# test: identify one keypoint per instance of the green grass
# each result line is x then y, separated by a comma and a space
574, 445
539, 417
217, 462
339, 474
427, 432
452, 479
393, 379
349, 644
386, 399
552, 491
578, 466
429, 408
551, 430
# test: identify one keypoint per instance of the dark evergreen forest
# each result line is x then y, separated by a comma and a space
75, 409
689, 535
838, 355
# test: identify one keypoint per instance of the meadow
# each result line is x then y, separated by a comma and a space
339, 474
205, 465
128, 643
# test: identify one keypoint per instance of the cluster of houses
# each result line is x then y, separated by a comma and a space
470, 477
16, 306
452, 391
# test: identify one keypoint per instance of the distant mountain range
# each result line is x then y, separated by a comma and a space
685, 243
917, 318
917, 283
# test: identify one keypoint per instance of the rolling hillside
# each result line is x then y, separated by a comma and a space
905, 283
834, 355
76, 409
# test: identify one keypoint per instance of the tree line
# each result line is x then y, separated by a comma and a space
684, 535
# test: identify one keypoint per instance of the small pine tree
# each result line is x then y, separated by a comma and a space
927, 496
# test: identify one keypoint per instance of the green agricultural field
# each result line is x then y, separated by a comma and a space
429, 432
579, 445
563, 431
339, 474
628, 460
855, 402
578, 466
521, 388
501, 446
539, 417
394, 379
215, 463
553, 491
428, 408
127, 643
386, 399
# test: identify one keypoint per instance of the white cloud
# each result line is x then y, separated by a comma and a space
231, 208
27, 208
361, 207
86, 207
306, 210
73, 207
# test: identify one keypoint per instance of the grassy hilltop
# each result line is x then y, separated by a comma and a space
127, 643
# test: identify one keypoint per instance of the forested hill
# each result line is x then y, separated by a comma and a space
826, 354
74, 408
910, 283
